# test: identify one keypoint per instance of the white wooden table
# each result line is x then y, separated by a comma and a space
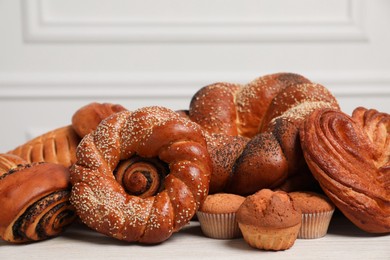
343, 241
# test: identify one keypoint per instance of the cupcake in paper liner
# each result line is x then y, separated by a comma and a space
269, 220
217, 216
317, 211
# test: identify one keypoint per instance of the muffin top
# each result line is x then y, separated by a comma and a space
221, 203
267, 208
311, 202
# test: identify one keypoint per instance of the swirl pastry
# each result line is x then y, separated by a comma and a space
142, 177
34, 200
56, 146
349, 156
153, 133
268, 113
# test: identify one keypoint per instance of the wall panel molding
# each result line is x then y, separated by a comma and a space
48, 21
170, 85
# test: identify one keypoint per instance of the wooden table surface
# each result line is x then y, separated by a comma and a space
343, 241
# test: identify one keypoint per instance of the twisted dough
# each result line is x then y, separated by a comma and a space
34, 200
350, 158
151, 132
268, 113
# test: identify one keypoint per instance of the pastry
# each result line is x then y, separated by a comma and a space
56, 146
34, 200
87, 118
150, 132
349, 157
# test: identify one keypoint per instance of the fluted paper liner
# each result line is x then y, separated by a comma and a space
315, 225
219, 226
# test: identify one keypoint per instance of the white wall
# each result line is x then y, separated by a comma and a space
56, 56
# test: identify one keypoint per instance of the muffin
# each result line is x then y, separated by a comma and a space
217, 215
269, 220
317, 211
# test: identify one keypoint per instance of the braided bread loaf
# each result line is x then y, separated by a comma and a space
268, 112
34, 200
156, 134
350, 158
56, 146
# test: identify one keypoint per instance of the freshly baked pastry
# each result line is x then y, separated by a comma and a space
154, 133
268, 111
56, 146
224, 151
349, 156
88, 117
142, 177
34, 200
317, 211
217, 215
10, 162
269, 220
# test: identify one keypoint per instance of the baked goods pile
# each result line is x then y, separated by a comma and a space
260, 123
248, 160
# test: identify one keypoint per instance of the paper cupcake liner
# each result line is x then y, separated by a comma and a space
270, 238
219, 226
315, 225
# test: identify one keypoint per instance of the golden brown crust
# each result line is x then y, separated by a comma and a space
10, 162
221, 203
36, 199
87, 118
349, 166
267, 208
57, 146
311, 202
270, 111
295, 95
213, 108
150, 132
255, 99
376, 125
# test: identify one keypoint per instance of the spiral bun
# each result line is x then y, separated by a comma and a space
142, 177
34, 199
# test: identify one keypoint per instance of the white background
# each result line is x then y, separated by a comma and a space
56, 56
